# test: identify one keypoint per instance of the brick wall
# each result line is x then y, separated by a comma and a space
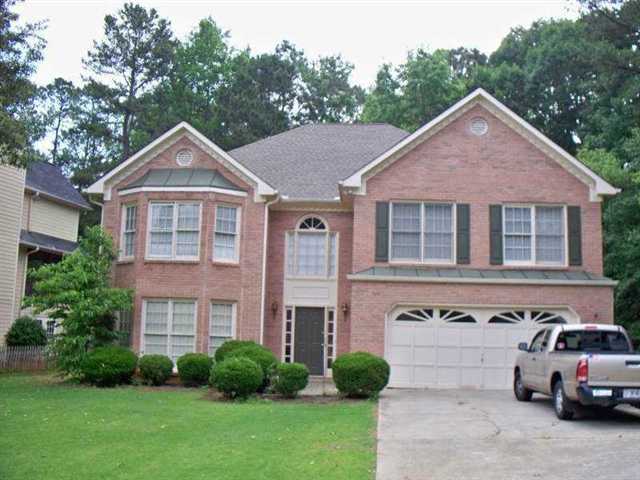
205, 280
455, 165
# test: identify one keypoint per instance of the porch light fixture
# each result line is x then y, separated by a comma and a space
345, 308
274, 307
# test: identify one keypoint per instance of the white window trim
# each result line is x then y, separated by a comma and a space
533, 261
234, 317
169, 321
423, 261
327, 234
236, 258
174, 230
123, 227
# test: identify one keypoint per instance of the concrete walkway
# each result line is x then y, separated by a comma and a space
488, 435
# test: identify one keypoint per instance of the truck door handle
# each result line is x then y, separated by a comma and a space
533, 359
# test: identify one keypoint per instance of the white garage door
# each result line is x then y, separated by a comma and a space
461, 347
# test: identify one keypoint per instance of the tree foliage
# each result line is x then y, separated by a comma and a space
76, 293
20, 51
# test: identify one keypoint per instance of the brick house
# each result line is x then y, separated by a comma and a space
440, 250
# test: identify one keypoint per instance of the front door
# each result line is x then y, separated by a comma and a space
309, 338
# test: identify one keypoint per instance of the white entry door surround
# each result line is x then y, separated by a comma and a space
462, 347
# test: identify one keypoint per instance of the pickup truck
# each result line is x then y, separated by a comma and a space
579, 365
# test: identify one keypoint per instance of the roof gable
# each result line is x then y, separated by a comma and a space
598, 186
47, 179
107, 182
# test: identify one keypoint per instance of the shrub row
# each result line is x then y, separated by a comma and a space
244, 368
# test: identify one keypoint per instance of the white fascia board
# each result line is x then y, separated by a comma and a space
263, 188
600, 186
225, 191
490, 281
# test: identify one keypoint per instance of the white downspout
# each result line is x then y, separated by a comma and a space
264, 267
101, 205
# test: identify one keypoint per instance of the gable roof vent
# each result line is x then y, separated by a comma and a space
184, 157
478, 126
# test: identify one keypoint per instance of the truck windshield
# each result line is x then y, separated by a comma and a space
592, 341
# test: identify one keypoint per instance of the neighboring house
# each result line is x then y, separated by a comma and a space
440, 250
38, 224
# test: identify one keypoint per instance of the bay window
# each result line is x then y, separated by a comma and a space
128, 229
169, 327
174, 231
311, 250
534, 235
226, 233
422, 232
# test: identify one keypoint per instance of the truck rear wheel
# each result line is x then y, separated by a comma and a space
522, 393
561, 404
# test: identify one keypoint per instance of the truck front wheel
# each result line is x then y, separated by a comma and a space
522, 393
561, 404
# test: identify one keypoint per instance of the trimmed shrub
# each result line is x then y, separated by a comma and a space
237, 377
26, 331
108, 366
194, 369
262, 356
290, 378
360, 374
229, 346
155, 369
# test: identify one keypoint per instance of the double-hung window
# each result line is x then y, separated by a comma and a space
422, 232
169, 327
534, 235
222, 324
312, 250
174, 231
226, 235
128, 229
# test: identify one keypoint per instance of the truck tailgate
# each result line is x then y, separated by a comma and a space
610, 370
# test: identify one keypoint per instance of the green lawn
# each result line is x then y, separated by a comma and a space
55, 431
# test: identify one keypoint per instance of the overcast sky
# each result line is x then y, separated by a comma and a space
365, 33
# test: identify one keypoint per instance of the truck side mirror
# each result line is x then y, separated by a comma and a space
523, 346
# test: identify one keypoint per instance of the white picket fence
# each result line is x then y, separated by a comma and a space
24, 358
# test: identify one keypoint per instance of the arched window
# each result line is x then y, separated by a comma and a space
312, 249
428, 314
547, 318
454, 316
418, 315
508, 317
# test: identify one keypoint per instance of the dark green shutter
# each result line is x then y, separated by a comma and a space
575, 235
463, 245
495, 232
382, 232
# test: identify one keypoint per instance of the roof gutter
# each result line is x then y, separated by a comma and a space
37, 193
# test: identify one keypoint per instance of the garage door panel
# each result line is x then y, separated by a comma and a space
424, 336
437, 354
425, 355
425, 376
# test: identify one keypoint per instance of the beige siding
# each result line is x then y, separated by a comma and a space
26, 205
11, 195
54, 219
20, 279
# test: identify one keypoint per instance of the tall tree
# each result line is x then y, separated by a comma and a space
418, 90
327, 94
135, 54
20, 51
59, 99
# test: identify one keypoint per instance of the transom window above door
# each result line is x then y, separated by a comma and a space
422, 232
174, 231
311, 249
534, 235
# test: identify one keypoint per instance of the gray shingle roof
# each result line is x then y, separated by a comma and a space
309, 161
46, 242
49, 180
486, 275
182, 177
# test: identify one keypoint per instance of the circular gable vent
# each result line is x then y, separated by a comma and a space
184, 158
478, 126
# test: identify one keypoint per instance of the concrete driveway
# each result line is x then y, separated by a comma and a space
466, 434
